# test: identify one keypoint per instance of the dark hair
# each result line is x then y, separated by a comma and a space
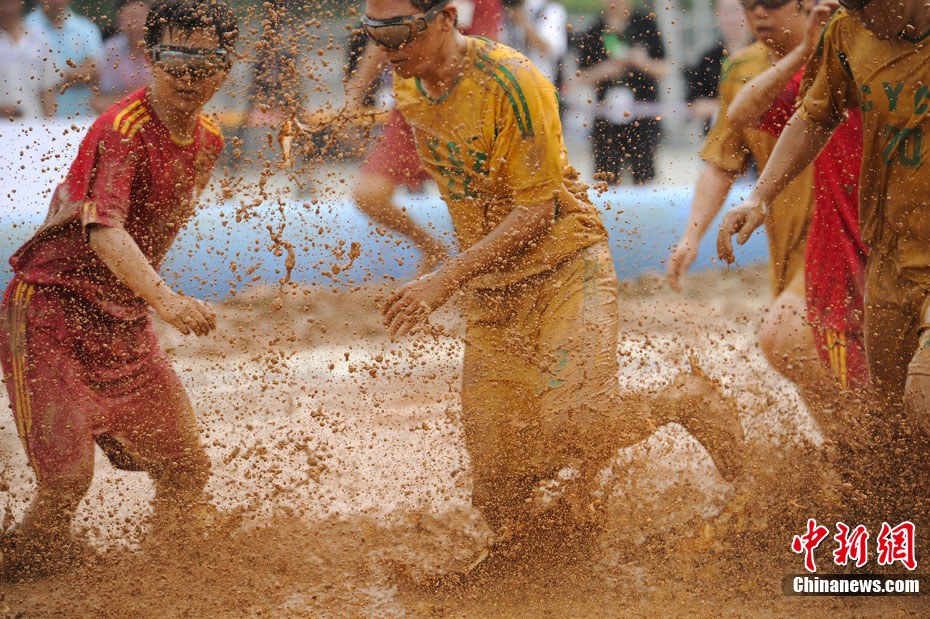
425, 5
190, 15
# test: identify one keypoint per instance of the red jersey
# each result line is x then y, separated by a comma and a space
487, 19
129, 172
835, 260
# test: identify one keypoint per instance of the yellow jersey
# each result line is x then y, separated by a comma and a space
890, 83
494, 141
729, 148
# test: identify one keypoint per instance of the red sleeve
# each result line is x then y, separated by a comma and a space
110, 190
487, 20
784, 106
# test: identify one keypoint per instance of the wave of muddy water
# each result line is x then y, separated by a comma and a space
343, 453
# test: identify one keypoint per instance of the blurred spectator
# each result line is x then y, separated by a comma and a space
76, 49
124, 68
276, 91
703, 78
538, 29
622, 56
26, 80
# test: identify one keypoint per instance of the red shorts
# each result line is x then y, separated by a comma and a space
844, 353
76, 376
394, 154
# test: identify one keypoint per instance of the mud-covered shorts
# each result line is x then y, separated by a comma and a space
541, 373
895, 307
76, 375
844, 353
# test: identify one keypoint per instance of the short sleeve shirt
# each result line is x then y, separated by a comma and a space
729, 148
889, 81
599, 44
130, 172
494, 141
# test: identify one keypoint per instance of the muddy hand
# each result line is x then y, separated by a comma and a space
187, 315
680, 260
741, 221
408, 309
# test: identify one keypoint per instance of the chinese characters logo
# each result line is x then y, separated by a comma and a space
893, 544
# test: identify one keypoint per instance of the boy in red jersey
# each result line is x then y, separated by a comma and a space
80, 359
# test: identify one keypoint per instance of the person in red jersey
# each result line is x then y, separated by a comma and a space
835, 257
80, 359
393, 161
834, 264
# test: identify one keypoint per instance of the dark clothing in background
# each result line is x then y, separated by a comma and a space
702, 79
624, 139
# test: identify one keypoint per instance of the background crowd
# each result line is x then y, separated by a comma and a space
636, 79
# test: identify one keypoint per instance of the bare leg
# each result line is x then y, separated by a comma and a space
178, 465
179, 492
787, 341
42, 543
374, 195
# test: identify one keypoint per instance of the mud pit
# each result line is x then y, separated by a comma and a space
342, 453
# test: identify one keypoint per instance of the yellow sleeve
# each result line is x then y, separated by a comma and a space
724, 146
828, 89
527, 148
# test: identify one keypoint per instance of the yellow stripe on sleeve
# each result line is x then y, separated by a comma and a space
138, 125
841, 354
119, 117
127, 124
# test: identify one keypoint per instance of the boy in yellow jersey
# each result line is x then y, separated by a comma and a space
873, 55
540, 394
784, 337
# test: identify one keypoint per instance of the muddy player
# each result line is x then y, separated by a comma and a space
392, 161
80, 358
540, 394
779, 26
872, 57
834, 266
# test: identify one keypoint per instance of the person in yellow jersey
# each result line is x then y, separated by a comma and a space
784, 336
874, 55
540, 394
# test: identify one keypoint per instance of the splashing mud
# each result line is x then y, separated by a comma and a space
341, 456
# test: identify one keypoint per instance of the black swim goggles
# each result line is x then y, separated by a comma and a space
196, 62
396, 32
768, 5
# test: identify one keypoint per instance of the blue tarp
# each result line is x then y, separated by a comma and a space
643, 224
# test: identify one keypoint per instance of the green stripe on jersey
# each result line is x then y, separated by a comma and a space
513, 102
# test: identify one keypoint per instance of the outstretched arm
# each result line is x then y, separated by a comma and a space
799, 144
410, 306
711, 191
755, 99
120, 253
367, 69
